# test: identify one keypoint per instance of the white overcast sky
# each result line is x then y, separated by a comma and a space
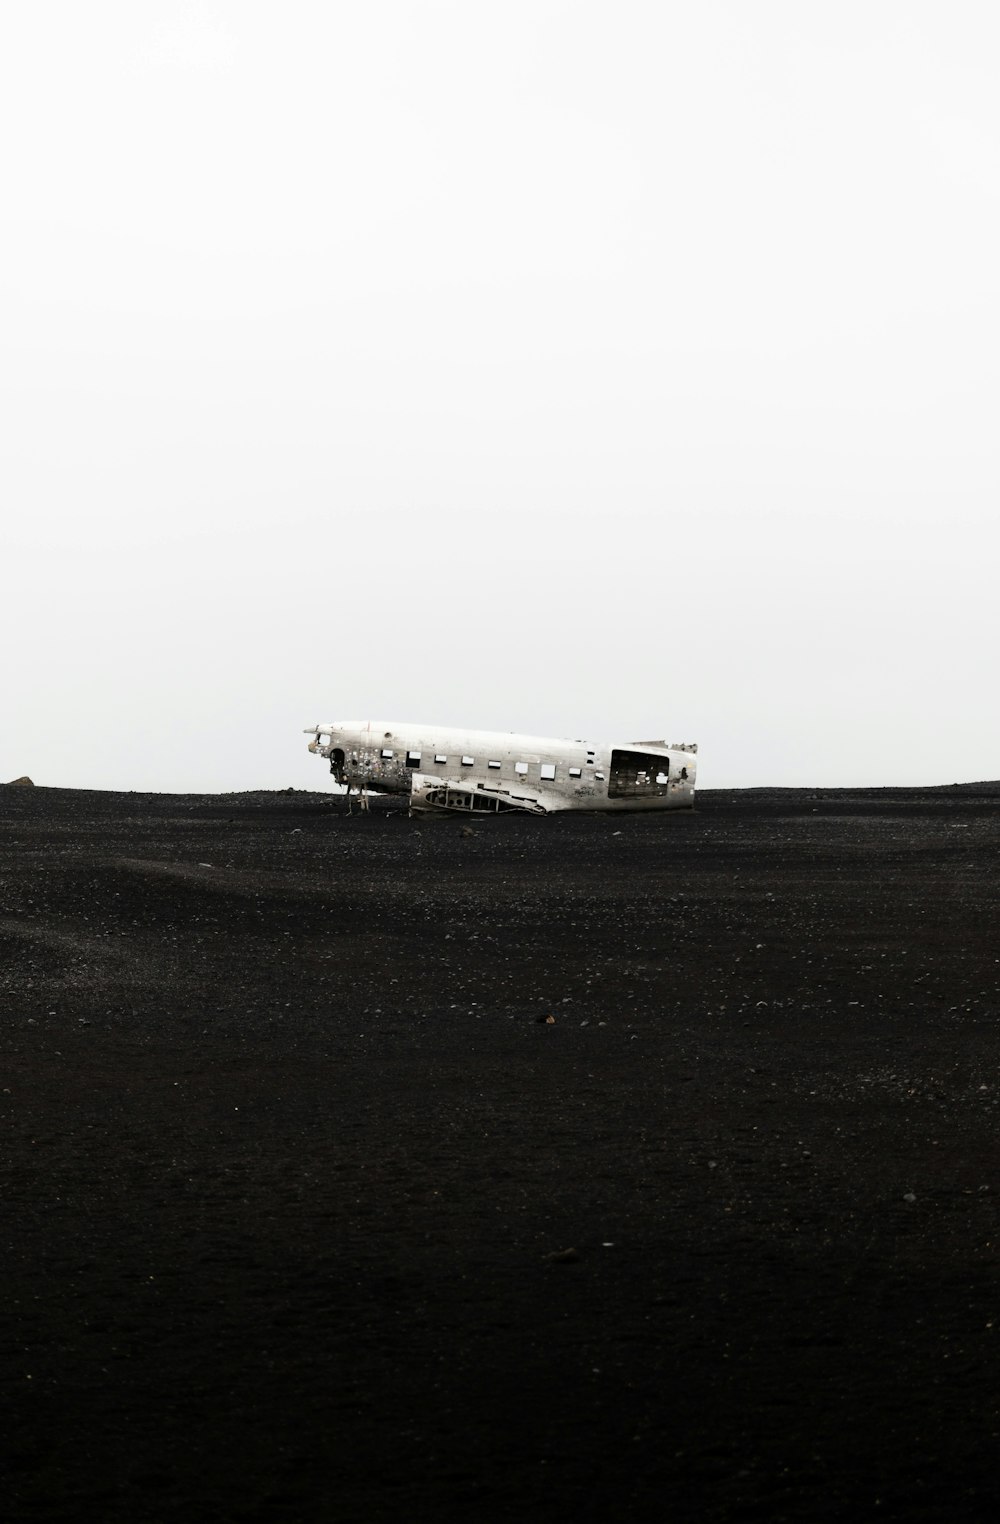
613, 370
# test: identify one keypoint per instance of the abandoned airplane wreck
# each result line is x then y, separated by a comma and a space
492, 772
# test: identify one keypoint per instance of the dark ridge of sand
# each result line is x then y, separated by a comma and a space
293, 1157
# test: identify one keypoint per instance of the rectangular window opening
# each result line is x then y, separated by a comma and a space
521, 767
386, 754
548, 771
413, 759
493, 764
468, 761
576, 772
440, 758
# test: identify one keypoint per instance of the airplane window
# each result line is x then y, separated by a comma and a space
548, 771
493, 764
413, 759
661, 778
600, 776
576, 772
521, 767
468, 761
440, 758
386, 754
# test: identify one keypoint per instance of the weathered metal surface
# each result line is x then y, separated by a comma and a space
494, 771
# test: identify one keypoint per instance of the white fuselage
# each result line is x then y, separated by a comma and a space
451, 768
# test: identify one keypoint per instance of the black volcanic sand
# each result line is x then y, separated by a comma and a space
292, 1159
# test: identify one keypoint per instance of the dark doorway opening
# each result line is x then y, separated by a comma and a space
637, 775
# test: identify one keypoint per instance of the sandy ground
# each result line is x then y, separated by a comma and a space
292, 1160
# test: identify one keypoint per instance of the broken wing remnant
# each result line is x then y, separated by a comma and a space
493, 772
438, 794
